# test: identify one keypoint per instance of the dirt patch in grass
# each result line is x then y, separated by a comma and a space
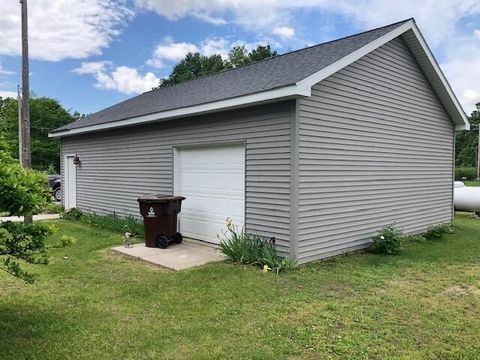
459, 290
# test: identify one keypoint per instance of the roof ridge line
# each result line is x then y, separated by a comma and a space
254, 63
280, 55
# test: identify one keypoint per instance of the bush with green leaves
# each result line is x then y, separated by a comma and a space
73, 214
252, 249
23, 243
388, 241
66, 240
52, 208
112, 221
465, 173
436, 232
22, 192
418, 238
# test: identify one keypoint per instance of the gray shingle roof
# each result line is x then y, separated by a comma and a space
280, 71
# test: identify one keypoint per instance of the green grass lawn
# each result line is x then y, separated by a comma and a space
472, 183
89, 303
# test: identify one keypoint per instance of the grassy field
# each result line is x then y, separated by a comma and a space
91, 304
472, 183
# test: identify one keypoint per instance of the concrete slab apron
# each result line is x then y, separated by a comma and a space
35, 217
177, 257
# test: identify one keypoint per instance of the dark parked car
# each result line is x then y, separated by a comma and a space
55, 182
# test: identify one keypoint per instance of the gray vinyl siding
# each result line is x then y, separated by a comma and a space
119, 165
372, 146
375, 148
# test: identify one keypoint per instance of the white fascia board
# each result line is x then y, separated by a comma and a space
464, 125
315, 78
461, 119
301, 89
283, 93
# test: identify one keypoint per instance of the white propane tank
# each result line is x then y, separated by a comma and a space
458, 184
466, 198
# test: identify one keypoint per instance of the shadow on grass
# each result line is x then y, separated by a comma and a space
27, 330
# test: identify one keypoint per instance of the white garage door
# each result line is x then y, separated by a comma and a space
213, 181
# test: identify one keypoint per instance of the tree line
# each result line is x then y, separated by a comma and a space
466, 143
46, 114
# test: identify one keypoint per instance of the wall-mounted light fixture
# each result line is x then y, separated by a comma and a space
77, 160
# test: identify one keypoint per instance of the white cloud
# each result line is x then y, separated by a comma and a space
463, 72
471, 96
5, 94
128, 81
284, 31
78, 29
174, 10
476, 33
93, 67
217, 45
211, 19
63, 29
438, 21
169, 51
251, 14
461, 65
121, 78
436, 18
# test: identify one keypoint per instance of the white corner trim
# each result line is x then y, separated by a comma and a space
286, 92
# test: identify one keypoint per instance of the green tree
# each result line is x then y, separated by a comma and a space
466, 143
46, 114
22, 192
238, 56
261, 53
195, 65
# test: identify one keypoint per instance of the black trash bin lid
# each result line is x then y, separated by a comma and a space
158, 198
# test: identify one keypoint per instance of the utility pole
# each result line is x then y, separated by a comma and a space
26, 157
19, 102
478, 154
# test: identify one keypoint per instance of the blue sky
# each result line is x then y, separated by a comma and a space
94, 53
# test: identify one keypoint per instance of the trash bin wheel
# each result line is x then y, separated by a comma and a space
162, 242
178, 238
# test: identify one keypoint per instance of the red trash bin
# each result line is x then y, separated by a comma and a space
160, 219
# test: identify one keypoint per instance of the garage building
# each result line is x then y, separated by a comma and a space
319, 148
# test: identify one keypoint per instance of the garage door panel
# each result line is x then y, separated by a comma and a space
213, 181
219, 186
203, 207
